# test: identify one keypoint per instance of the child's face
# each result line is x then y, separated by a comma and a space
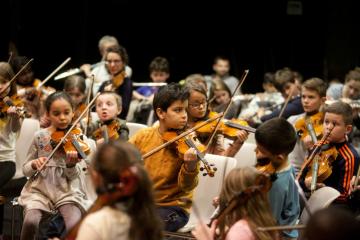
197, 105
221, 96
311, 100
76, 95
222, 67
114, 63
175, 116
351, 89
3, 85
262, 154
106, 107
290, 88
60, 114
26, 78
157, 76
335, 121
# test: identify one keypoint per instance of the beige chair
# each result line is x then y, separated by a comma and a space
207, 189
28, 128
246, 155
134, 127
321, 198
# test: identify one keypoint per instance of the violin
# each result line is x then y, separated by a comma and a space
16, 101
227, 127
310, 125
72, 142
111, 131
118, 79
191, 141
79, 110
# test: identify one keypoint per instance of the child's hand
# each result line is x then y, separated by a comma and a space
216, 201
12, 112
351, 189
308, 184
37, 163
308, 142
44, 121
241, 137
100, 141
71, 158
203, 232
190, 159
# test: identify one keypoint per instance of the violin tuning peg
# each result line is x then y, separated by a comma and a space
204, 174
211, 164
201, 169
215, 169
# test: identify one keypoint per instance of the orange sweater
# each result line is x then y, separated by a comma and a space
171, 181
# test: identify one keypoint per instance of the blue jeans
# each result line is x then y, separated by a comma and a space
173, 217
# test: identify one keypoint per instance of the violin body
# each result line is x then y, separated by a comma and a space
303, 128
112, 131
16, 101
118, 79
72, 142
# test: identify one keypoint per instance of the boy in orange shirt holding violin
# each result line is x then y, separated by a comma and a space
308, 125
174, 178
343, 164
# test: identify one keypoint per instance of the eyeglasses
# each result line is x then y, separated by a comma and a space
198, 105
113, 61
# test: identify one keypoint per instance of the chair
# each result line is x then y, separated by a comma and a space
321, 198
246, 155
207, 189
134, 127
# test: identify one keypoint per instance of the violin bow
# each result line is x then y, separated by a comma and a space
16, 75
284, 227
87, 103
53, 73
287, 101
63, 138
146, 155
243, 77
10, 56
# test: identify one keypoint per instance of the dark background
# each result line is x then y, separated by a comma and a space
323, 41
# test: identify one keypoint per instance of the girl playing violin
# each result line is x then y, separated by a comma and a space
9, 129
250, 210
116, 59
128, 209
308, 125
54, 187
108, 107
198, 111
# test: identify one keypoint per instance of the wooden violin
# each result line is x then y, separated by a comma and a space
310, 126
118, 79
190, 141
111, 131
72, 142
15, 101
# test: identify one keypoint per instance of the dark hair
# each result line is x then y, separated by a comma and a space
332, 224
316, 84
75, 81
353, 75
112, 158
168, 94
6, 74
159, 64
119, 50
282, 78
55, 96
192, 86
341, 108
276, 135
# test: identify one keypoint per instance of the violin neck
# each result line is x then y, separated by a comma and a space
240, 127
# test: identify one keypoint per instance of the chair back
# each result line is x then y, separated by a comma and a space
246, 155
134, 127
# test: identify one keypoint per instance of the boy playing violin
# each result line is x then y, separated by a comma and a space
313, 96
174, 178
275, 139
338, 118
108, 107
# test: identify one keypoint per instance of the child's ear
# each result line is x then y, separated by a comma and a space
160, 113
348, 129
119, 110
323, 99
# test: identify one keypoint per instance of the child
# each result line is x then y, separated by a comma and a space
251, 211
108, 107
9, 129
344, 167
275, 139
313, 96
142, 97
198, 111
220, 96
285, 82
130, 213
53, 189
174, 177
